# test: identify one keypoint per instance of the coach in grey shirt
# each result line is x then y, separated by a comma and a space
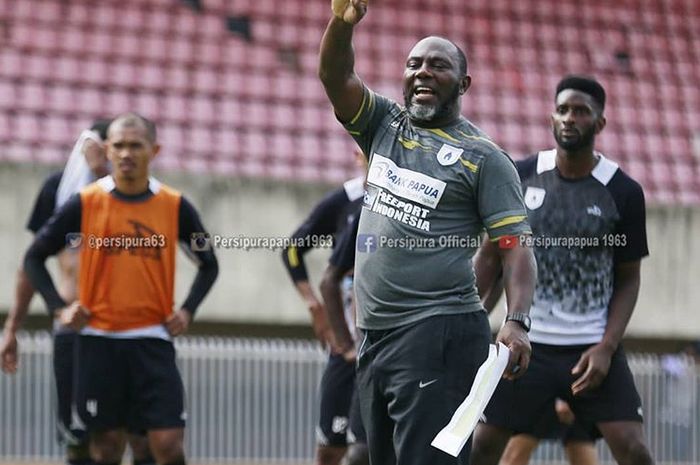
435, 182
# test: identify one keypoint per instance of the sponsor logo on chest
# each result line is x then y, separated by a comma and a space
405, 183
594, 210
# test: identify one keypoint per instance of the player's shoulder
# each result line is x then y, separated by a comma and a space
354, 188
336, 198
476, 141
52, 181
476, 148
373, 101
102, 186
622, 185
527, 167
157, 187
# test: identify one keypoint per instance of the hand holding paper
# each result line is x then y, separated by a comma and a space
452, 438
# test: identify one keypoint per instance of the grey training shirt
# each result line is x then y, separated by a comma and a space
430, 194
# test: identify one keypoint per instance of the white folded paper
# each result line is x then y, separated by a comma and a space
452, 438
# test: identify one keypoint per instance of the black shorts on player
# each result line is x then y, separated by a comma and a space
71, 431
516, 403
129, 383
550, 427
337, 386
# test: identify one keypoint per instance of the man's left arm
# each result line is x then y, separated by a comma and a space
341, 262
207, 269
503, 213
594, 363
593, 366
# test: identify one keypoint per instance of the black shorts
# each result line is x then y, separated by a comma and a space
518, 405
70, 429
412, 379
338, 425
548, 426
129, 383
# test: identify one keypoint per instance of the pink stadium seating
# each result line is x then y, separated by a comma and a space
256, 108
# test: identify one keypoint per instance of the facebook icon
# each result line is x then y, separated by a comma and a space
366, 243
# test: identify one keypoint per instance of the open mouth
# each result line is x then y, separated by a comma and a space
423, 93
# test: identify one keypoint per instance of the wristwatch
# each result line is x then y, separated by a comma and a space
522, 318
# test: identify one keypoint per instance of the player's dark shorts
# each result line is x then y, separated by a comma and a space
548, 426
338, 424
129, 383
411, 380
70, 430
517, 405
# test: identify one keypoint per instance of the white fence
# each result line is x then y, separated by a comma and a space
255, 401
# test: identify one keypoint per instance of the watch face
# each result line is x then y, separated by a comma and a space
521, 318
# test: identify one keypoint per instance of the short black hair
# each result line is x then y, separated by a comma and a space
461, 58
585, 84
100, 126
134, 119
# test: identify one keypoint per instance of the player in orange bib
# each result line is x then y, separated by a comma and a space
127, 226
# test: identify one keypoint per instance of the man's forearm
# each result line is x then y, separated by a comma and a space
306, 291
40, 279
202, 284
488, 270
519, 278
622, 302
24, 291
337, 59
333, 301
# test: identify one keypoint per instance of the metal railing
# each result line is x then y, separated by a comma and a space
255, 400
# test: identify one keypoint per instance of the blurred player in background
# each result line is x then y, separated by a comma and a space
127, 226
432, 174
337, 289
333, 214
589, 234
86, 163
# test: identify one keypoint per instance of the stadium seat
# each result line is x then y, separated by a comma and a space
7, 96
244, 101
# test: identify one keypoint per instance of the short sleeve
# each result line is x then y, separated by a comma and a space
363, 126
631, 229
45, 203
500, 197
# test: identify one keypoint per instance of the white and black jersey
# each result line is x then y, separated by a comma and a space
581, 229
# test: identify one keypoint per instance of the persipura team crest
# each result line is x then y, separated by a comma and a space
534, 197
448, 155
